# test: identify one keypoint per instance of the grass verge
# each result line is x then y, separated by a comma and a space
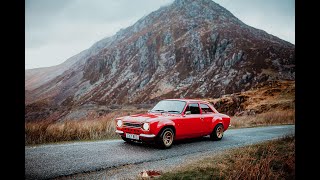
270, 160
44, 132
279, 117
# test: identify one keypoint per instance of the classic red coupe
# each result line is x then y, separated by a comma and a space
173, 119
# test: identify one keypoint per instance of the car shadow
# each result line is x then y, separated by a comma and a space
176, 142
192, 140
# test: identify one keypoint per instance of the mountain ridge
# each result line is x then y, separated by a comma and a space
189, 49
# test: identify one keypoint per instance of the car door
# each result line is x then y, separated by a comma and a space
207, 115
192, 123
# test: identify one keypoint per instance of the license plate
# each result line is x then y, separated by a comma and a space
132, 136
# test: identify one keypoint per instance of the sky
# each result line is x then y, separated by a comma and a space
57, 30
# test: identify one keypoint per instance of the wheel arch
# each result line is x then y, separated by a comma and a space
166, 126
216, 122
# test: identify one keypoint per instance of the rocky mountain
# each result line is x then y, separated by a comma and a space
188, 49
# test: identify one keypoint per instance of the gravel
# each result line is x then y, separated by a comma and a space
115, 159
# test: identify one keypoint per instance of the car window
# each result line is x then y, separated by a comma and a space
170, 106
205, 109
194, 108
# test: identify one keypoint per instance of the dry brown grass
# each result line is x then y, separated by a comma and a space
49, 132
104, 127
273, 103
268, 96
268, 118
270, 160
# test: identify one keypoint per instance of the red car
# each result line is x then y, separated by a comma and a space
173, 119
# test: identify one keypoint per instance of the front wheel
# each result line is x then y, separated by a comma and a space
165, 140
217, 133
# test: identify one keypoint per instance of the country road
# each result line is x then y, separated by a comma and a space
114, 159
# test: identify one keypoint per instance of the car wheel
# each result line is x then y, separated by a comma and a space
165, 140
217, 133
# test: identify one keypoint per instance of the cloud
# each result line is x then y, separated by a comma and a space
55, 20
273, 16
56, 30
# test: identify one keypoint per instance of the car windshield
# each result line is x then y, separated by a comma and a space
171, 106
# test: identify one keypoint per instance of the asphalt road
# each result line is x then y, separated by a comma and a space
56, 161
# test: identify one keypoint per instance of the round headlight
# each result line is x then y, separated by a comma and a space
146, 126
119, 123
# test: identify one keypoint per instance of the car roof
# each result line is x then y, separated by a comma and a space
188, 100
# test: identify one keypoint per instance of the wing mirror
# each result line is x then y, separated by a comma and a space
187, 112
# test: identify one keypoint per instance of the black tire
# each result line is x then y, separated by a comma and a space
126, 139
165, 139
217, 133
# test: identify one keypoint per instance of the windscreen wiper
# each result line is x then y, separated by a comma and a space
160, 110
174, 111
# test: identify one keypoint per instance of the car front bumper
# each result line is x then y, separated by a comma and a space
141, 135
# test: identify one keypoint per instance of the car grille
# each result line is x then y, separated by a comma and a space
132, 125
132, 130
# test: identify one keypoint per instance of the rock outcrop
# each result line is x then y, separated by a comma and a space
188, 49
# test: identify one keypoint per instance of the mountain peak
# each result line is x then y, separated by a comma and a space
189, 49
205, 9
186, 2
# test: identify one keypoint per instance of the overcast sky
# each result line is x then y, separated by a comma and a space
56, 30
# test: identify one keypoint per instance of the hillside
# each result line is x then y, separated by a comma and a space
188, 49
267, 96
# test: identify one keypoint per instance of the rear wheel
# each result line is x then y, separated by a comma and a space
165, 140
217, 132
